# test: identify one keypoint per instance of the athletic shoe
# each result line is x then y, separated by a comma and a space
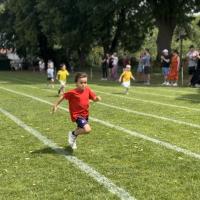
175, 84
72, 139
167, 83
74, 145
164, 83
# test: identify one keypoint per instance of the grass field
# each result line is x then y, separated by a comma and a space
144, 145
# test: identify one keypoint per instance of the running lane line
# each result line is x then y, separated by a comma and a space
131, 98
119, 128
149, 101
101, 179
134, 111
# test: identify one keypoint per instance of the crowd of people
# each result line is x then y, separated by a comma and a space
170, 67
121, 70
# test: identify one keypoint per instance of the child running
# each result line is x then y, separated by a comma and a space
62, 78
78, 99
50, 75
126, 77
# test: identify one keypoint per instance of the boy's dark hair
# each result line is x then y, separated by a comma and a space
80, 75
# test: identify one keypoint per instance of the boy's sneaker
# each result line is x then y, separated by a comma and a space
74, 145
72, 140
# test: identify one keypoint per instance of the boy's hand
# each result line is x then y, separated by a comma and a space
98, 98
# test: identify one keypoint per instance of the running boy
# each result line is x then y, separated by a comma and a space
78, 99
126, 77
50, 75
62, 78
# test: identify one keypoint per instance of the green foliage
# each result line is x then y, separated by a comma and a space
36, 27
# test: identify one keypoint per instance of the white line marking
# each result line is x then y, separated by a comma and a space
118, 128
148, 101
136, 112
166, 96
168, 89
133, 98
102, 180
135, 90
151, 115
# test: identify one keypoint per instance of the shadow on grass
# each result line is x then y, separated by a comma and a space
191, 97
67, 151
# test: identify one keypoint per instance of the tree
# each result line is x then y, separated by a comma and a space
168, 14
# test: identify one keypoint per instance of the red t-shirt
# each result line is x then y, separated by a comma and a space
79, 102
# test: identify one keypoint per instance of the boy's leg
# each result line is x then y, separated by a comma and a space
82, 128
80, 131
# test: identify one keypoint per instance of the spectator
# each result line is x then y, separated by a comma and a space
165, 63
174, 69
140, 68
192, 62
105, 65
115, 66
41, 65
195, 81
147, 64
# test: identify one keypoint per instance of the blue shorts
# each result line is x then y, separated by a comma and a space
165, 71
81, 122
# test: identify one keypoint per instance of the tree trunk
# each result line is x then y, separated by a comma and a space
119, 30
82, 61
165, 34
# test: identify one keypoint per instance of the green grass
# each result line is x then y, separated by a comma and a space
31, 170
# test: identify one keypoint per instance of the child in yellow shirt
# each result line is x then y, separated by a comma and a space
62, 78
125, 78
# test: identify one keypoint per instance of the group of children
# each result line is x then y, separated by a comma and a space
80, 97
61, 76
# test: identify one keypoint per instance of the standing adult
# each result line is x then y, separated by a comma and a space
174, 69
195, 81
140, 68
41, 65
147, 65
165, 63
115, 66
110, 66
192, 62
105, 65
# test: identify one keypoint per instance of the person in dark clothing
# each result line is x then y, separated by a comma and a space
105, 65
195, 81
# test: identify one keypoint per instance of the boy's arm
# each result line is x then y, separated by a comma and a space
55, 106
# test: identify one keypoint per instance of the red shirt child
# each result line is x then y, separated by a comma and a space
79, 102
78, 99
